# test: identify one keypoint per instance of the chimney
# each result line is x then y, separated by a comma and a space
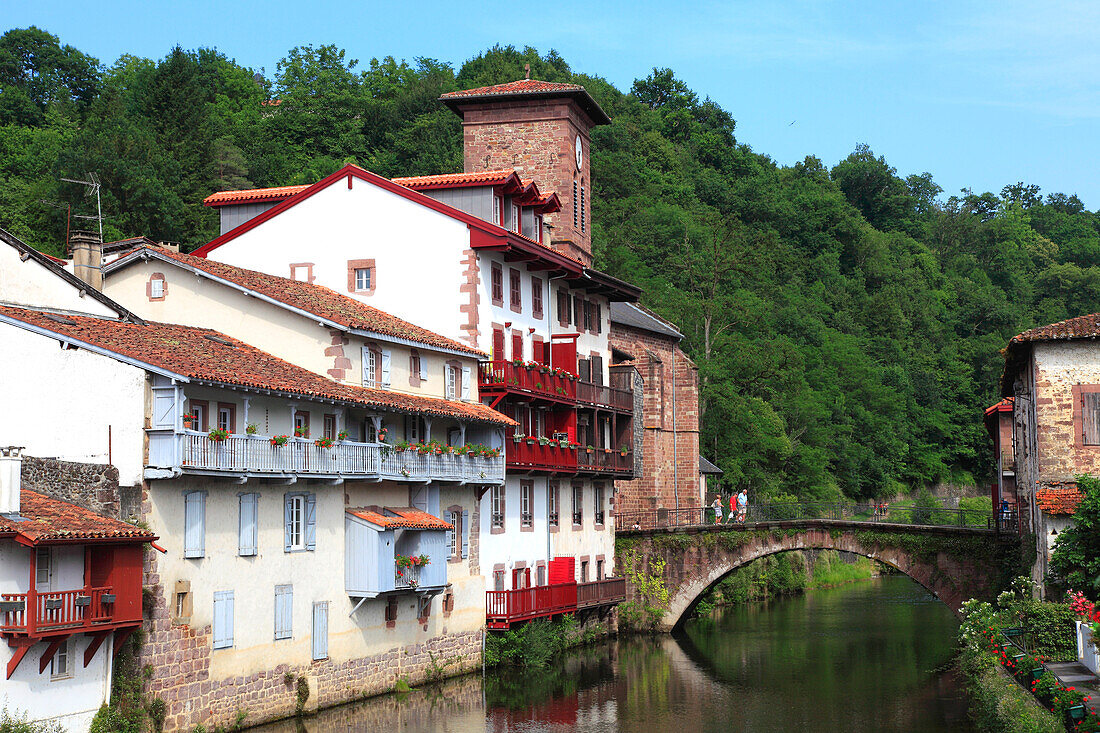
11, 467
87, 257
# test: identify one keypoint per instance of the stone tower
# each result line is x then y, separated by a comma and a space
540, 129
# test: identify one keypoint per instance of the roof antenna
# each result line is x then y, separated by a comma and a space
527, 71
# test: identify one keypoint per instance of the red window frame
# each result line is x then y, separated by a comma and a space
517, 345
496, 277
536, 296
232, 422
203, 422
329, 427
515, 290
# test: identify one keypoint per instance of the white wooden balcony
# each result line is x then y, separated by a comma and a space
172, 453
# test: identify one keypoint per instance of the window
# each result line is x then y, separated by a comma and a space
578, 511
552, 504
320, 630
194, 524
538, 228
563, 308
391, 612
43, 566
578, 311
496, 507
598, 490
423, 608
247, 524
201, 410
60, 665
300, 522
582, 208
181, 609
223, 619
515, 219
497, 280
453, 377
498, 211
284, 612
448, 603
536, 296
584, 571
362, 278
517, 345
599, 318
1090, 418
302, 271
498, 579
417, 373
301, 423
329, 429
599, 569
587, 316
370, 367
541, 577
515, 296
157, 287
526, 489
455, 518
227, 417
574, 204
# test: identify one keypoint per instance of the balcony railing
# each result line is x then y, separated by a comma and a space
552, 517
249, 454
406, 577
548, 457
602, 395
36, 613
505, 607
1008, 461
533, 381
610, 460
604, 592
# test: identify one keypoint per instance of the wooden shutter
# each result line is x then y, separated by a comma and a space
1090, 418
287, 505
599, 318
246, 541
368, 367
498, 345
320, 630
517, 345
284, 611
583, 370
385, 367
194, 530
465, 533
423, 369
223, 619
465, 382
597, 370
311, 521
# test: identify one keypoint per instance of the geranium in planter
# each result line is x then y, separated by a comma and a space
217, 435
189, 421
401, 446
251, 429
301, 432
279, 439
518, 437
324, 442
382, 435
342, 435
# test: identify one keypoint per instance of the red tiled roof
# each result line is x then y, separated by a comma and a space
314, 299
1081, 327
254, 195
203, 354
1004, 405
47, 519
529, 88
456, 180
51, 258
400, 518
1062, 500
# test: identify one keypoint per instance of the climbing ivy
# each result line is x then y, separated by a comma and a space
651, 596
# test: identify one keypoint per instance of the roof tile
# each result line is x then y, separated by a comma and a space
400, 518
1061, 500
523, 86
1081, 327
253, 195
44, 518
444, 180
204, 354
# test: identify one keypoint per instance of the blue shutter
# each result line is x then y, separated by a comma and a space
223, 619
247, 528
311, 521
284, 611
194, 524
465, 533
385, 378
286, 523
320, 630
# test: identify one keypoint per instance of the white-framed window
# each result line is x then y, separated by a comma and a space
43, 566
498, 211
362, 279
598, 490
552, 504
496, 501
526, 488
156, 287
515, 219
225, 418
456, 522
538, 228
61, 667
296, 522
454, 377
370, 367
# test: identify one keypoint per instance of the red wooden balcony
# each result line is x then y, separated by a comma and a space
605, 460
526, 454
602, 395
60, 612
606, 592
506, 607
535, 382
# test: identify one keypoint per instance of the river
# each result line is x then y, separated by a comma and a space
862, 657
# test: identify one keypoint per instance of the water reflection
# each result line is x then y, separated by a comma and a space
855, 658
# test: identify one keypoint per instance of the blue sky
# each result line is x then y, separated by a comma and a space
978, 94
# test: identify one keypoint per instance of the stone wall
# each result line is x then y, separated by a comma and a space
662, 482
93, 486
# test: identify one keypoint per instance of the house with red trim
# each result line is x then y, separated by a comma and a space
70, 596
497, 257
1051, 384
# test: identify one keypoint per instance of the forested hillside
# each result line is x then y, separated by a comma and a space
846, 320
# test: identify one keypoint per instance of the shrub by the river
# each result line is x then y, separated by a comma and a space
535, 643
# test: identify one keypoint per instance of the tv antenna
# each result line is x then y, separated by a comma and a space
93, 187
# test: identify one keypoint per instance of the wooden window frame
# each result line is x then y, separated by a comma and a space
538, 228
448, 603
527, 493
309, 271
515, 290
414, 368
353, 282
564, 303
517, 223
599, 514
553, 506
305, 421
517, 338
232, 409
496, 491
1078, 392
536, 297
328, 426
577, 505
391, 612
376, 376
454, 516
496, 284
156, 277
204, 421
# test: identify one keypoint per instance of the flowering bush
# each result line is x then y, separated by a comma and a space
324, 442
342, 435
411, 561
251, 429
279, 439
218, 435
301, 432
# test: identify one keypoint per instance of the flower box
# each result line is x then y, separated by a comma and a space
11, 606
83, 601
107, 598
53, 604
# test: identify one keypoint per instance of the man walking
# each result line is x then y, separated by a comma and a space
742, 505
717, 507
733, 508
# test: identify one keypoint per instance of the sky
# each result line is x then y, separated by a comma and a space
980, 95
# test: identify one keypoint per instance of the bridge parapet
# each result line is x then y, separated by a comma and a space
669, 569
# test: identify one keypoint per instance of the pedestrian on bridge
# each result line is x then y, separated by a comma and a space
742, 505
733, 508
717, 506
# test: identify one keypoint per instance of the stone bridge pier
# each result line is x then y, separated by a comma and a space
954, 564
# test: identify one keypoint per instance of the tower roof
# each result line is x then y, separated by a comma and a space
528, 89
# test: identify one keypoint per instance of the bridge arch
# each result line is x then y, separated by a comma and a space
952, 564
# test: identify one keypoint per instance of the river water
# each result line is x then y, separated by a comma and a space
862, 657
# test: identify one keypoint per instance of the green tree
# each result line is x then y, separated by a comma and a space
1075, 562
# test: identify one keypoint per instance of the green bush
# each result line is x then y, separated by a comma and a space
924, 506
533, 644
1075, 562
976, 510
1050, 630
14, 723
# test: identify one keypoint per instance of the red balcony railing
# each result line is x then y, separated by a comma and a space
602, 395
495, 376
505, 607
549, 457
608, 591
36, 613
605, 460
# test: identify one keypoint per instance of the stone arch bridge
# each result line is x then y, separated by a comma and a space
953, 563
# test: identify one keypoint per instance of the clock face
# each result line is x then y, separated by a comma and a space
580, 153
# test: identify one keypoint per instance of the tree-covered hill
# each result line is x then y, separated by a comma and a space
846, 321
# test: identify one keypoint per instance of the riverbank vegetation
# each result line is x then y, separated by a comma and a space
846, 317
536, 643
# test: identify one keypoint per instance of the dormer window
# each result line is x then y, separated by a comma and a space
515, 219
538, 228
498, 210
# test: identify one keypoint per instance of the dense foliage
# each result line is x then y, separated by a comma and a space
846, 321
1075, 562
